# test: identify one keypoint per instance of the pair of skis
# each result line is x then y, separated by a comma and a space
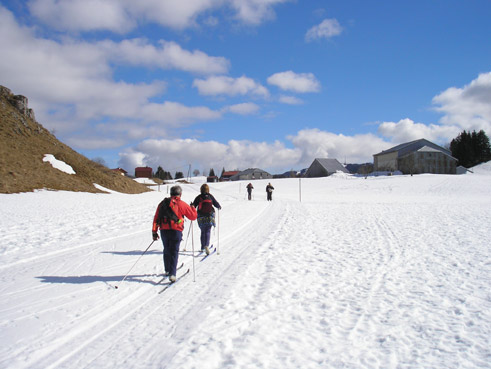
169, 283
212, 249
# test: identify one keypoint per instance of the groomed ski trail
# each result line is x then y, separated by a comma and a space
137, 309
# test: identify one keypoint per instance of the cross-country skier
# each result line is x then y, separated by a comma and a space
169, 218
205, 203
249, 187
269, 191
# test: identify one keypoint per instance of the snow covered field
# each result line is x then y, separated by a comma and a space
384, 272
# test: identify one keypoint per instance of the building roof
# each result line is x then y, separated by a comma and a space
417, 145
331, 165
249, 171
119, 170
230, 173
252, 170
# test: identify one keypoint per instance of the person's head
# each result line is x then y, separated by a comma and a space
176, 191
204, 189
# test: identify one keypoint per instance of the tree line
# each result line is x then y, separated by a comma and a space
471, 148
165, 175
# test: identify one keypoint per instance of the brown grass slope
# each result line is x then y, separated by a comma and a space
23, 144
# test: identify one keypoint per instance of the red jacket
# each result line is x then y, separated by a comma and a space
183, 210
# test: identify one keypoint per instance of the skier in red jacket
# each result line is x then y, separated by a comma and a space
169, 218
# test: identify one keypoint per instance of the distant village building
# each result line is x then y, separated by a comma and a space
251, 174
289, 174
324, 167
120, 171
227, 175
212, 179
420, 156
143, 172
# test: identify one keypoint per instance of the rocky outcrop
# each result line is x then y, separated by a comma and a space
21, 103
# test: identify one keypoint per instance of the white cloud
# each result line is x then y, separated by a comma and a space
326, 29
209, 154
255, 11
168, 55
83, 15
175, 14
242, 109
173, 113
290, 100
314, 143
308, 144
124, 15
406, 130
223, 85
296, 82
70, 83
469, 107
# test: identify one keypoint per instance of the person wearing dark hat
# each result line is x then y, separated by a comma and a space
205, 203
169, 218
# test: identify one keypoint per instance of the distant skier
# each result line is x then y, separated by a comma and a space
249, 187
169, 218
269, 191
205, 203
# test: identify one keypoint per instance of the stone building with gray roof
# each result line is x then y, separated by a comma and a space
419, 156
250, 174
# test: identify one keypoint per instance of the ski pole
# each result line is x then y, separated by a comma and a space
218, 234
192, 243
187, 238
134, 264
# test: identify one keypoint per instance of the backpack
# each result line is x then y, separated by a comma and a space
205, 205
167, 213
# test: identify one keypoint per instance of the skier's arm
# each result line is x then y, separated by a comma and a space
215, 202
195, 203
188, 211
155, 226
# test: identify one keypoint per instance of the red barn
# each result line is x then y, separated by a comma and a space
143, 172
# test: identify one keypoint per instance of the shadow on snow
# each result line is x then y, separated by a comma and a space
84, 279
133, 253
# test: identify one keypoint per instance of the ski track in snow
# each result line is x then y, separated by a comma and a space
360, 274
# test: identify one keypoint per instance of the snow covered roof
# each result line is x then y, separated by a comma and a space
332, 165
417, 145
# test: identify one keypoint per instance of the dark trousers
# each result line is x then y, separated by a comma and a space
205, 235
171, 240
270, 196
249, 193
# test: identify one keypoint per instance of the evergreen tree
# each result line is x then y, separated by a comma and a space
223, 171
212, 173
160, 173
471, 149
179, 175
483, 147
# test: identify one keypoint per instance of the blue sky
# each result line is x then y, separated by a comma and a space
248, 83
